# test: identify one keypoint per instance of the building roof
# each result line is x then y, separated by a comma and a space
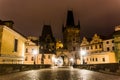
116, 33
6, 27
70, 18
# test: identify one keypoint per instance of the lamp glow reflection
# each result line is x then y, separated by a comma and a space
35, 52
71, 61
82, 53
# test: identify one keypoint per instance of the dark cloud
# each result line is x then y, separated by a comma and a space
96, 16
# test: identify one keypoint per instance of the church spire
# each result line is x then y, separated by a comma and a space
70, 18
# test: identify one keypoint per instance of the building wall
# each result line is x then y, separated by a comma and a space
100, 58
71, 38
117, 43
97, 51
32, 55
108, 45
8, 53
48, 58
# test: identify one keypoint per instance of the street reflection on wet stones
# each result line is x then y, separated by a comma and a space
59, 74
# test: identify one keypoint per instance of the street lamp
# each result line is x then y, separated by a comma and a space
71, 61
34, 53
53, 59
82, 53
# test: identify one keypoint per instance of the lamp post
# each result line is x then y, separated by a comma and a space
82, 53
34, 53
54, 60
71, 61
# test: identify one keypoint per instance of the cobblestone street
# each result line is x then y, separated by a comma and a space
59, 74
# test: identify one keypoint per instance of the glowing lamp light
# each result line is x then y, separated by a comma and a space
71, 59
82, 52
35, 52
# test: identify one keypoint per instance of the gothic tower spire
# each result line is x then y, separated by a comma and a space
70, 18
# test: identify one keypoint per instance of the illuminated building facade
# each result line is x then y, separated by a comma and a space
16, 49
32, 55
98, 50
12, 46
117, 43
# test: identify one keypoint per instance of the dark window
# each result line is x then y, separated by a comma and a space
113, 48
112, 41
26, 50
48, 41
15, 45
93, 59
43, 56
90, 59
25, 58
96, 59
73, 48
100, 46
48, 56
95, 46
32, 58
53, 47
108, 48
107, 42
87, 48
87, 59
91, 47
103, 59
73, 39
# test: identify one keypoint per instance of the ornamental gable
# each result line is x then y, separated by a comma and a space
96, 39
84, 42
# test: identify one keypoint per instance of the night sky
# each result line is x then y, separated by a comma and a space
29, 16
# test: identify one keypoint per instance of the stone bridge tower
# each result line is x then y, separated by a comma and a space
71, 35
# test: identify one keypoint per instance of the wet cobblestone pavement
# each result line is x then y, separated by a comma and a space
59, 74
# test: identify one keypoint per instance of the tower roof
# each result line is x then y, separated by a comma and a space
46, 30
70, 18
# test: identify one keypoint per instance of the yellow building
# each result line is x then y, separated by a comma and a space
100, 58
59, 45
97, 51
117, 43
12, 46
48, 58
32, 55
